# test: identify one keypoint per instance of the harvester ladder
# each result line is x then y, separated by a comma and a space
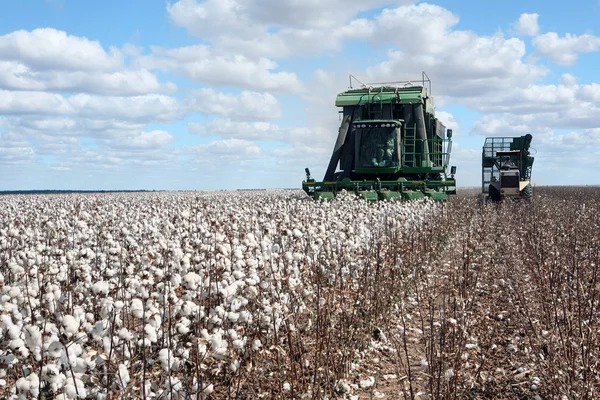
410, 146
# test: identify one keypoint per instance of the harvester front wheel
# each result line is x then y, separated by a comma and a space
527, 193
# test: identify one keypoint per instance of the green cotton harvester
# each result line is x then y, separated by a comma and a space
390, 145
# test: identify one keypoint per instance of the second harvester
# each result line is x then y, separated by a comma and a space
506, 168
390, 145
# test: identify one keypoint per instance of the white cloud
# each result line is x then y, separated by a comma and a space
227, 149
244, 105
460, 63
313, 136
14, 75
147, 108
237, 129
51, 60
137, 141
565, 50
201, 64
562, 106
51, 49
270, 28
14, 149
527, 25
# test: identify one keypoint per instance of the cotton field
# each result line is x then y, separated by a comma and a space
249, 295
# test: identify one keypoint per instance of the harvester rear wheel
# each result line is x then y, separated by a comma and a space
494, 193
527, 193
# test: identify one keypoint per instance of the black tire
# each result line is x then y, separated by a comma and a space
527, 193
494, 193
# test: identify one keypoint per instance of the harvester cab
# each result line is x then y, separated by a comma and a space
506, 168
390, 145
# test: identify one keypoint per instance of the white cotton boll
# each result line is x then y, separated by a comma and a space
238, 274
234, 365
208, 389
70, 324
14, 292
155, 321
151, 334
182, 328
233, 316
137, 308
165, 357
251, 292
23, 385
245, 316
23, 351
55, 349
125, 335
256, 344
239, 344
100, 287
73, 393
124, 375
107, 308
189, 308
33, 340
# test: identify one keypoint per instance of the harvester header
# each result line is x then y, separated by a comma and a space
389, 145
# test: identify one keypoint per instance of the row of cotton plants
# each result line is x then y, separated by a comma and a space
194, 295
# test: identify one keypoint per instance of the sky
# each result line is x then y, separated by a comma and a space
239, 94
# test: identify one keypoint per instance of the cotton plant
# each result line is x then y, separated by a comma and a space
101, 289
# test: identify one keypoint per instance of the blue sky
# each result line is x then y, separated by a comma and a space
212, 94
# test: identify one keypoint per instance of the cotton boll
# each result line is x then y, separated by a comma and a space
70, 324
137, 308
125, 335
33, 340
124, 375
73, 393
208, 389
151, 333
100, 287
234, 365
165, 357
239, 344
183, 326
233, 316
189, 308
55, 349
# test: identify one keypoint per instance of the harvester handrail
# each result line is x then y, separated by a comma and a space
423, 80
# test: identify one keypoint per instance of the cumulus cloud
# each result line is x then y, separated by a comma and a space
223, 127
245, 105
14, 149
460, 63
47, 59
147, 108
137, 141
527, 25
201, 64
270, 28
230, 149
239, 129
565, 50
